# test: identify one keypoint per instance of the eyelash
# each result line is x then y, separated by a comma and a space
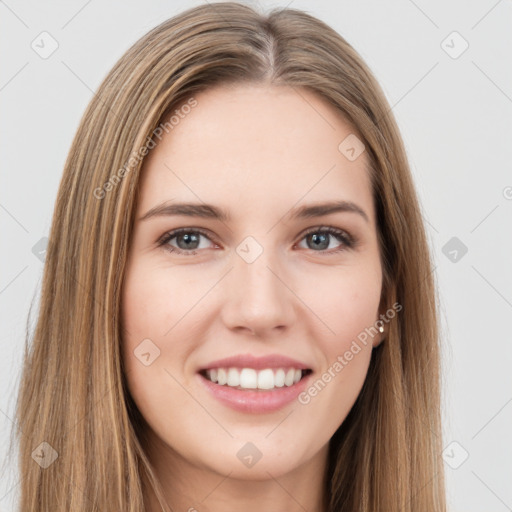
348, 241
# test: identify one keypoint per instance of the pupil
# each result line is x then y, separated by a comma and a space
318, 240
188, 238
324, 236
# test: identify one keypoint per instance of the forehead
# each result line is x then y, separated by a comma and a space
249, 147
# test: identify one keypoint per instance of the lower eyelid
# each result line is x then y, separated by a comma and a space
347, 241
167, 237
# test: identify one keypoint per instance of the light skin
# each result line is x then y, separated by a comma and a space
258, 152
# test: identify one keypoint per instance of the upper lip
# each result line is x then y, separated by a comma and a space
258, 363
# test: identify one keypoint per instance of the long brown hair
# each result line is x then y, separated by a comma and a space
386, 455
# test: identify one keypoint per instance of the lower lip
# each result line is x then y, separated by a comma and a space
257, 401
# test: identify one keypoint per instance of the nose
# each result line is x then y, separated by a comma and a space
259, 297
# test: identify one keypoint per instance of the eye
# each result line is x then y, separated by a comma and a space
189, 240
320, 239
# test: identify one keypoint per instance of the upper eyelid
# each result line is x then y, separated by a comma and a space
169, 235
175, 232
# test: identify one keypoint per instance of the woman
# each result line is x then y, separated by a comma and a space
238, 310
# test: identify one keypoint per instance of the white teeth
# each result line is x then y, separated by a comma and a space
279, 378
249, 378
233, 377
222, 377
290, 374
266, 379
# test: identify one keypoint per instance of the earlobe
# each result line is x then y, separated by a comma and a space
379, 339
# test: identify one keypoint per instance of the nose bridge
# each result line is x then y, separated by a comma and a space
255, 268
258, 297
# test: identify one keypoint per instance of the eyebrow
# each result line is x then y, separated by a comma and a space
209, 211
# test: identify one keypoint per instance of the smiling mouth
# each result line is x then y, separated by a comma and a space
251, 379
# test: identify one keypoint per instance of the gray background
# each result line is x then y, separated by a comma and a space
454, 112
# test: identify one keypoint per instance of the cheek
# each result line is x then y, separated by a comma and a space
144, 312
152, 301
348, 308
348, 312
345, 354
154, 309
143, 322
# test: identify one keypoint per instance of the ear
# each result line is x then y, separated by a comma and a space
382, 326
380, 336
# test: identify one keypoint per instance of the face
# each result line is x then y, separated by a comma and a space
278, 295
